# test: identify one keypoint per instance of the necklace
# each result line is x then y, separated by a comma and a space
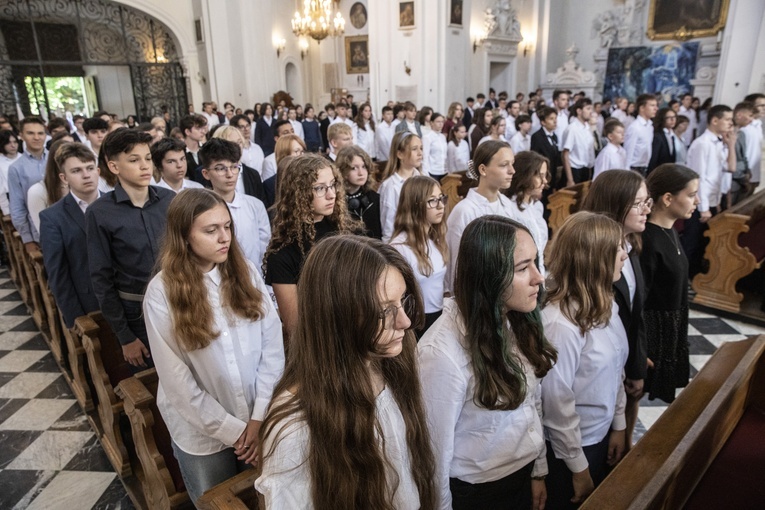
672, 238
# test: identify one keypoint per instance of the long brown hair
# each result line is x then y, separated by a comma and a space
581, 276
485, 271
359, 120
411, 220
401, 143
613, 194
327, 378
184, 281
344, 163
528, 167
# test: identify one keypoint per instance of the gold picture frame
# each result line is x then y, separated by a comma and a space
670, 19
357, 54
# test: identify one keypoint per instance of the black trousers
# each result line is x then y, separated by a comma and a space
560, 485
512, 491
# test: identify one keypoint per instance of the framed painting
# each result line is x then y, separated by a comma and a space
406, 15
455, 13
357, 54
686, 19
358, 15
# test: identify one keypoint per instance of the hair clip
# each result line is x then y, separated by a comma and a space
471, 170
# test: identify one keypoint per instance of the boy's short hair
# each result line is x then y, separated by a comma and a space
236, 118
718, 111
409, 106
480, 95
329, 106
470, 100
386, 109
397, 109
162, 147
123, 140
73, 150
611, 125
545, 112
337, 129
30, 120
559, 92
752, 98
747, 106
219, 149
642, 99
681, 119
78, 117
191, 121
521, 119
145, 127
94, 123
278, 124
57, 123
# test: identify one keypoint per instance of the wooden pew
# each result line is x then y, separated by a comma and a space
34, 294
664, 469
107, 368
56, 336
237, 493
736, 248
23, 281
77, 360
456, 186
13, 262
565, 202
159, 473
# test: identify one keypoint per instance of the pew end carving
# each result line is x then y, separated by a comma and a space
238, 493
56, 340
456, 186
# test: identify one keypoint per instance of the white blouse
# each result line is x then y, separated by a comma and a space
286, 480
390, 191
436, 153
366, 138
37, 201
5, 165
185, 184
457, 156
583, 395
207, 396
470, 442
432, 286
532, 217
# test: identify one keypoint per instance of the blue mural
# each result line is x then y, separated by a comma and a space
667, 70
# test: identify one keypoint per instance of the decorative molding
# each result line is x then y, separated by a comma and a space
621, 26
571, 76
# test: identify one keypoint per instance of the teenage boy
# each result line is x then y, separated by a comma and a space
62, 234
545, 141
638, 138
687, 110
169, 158
409, 123
467, 116
340, 136
384, 135
513, 110
95, 130
252, 154
324, 124
281, 128
613, 156
560, 103
125, 230
753, 133
743, 115
521, 140
311, 130
710, 155
79, 133
22, 174
194, 128
297, 126
220, 165
342, 116
578, 152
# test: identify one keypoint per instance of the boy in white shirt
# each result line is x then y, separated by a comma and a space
384, 135
338, 136
613, 156
169, 157
521, 140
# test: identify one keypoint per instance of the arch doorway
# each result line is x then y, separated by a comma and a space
293, 82
78, 56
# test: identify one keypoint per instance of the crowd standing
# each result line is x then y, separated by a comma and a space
312, 311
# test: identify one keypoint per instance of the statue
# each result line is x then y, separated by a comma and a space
505, 22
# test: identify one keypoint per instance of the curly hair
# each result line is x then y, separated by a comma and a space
344, 162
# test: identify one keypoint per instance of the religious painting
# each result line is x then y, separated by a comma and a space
357, 54
667, 70
358, 15
455, 13
686, 19
406, 15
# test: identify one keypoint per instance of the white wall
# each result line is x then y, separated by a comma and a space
739, 52
115, 90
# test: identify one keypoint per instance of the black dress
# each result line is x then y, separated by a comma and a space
365, 205
284, 265
665, 271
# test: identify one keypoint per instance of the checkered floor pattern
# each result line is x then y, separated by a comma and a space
50, 458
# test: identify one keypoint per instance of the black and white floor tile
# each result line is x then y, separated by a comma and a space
51, 459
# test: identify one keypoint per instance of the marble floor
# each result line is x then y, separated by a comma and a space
50, 458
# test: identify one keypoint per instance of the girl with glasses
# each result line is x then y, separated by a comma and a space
363, 201
480, 368
583, 395
419, 234
405, 160
623, 196
311, 206
346, 428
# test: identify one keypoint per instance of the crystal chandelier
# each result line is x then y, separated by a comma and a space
318, 20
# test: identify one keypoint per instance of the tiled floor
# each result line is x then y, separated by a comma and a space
50, 458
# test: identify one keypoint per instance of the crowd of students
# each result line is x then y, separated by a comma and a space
345, 337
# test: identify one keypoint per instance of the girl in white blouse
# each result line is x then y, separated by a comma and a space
492, 166
9, 153
419, 234
480, 368
436, 146
406, 153
583, 396
216, 341
525, 192
458, 149
347, 428
365, 129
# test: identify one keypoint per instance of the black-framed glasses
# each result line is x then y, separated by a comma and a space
223, 169
321, 189
433, 202
646, 204
390, 313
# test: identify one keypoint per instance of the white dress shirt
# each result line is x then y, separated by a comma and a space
622, 117
83, 205
753, 133
579, 143
285, 481
37, 201
510, 129
472, 443
185, 184
253, 230
536, 124
269, 167
383, 138
583, 395
5, 164
365, 138
457, 156
390, 191
562, 125
681, 152
212, 119
612, 157
532, 217
638, 141
253, 157
207, 396
432, 286
692, 124
708, 157
297, 127
520, 142
436, 154
473, 206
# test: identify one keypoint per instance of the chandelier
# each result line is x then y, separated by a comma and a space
318, 20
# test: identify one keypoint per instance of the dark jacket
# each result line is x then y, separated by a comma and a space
660, 151
312, 133
264, 135
632, 319
542, 145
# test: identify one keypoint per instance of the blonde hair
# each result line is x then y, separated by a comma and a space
227, 132
337, 129
402, 142
283, 146
581, 276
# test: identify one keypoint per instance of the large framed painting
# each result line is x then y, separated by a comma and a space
686, 19
357, 54
666, 69
406, 15
455, 13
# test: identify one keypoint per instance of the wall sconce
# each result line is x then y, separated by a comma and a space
478, 40
526, 43
279, 44
303, 48
407, 69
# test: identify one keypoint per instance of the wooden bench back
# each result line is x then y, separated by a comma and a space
456, 186
565, 202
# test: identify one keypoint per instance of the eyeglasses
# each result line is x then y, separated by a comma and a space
647, 204
389, 314
433, 202
321, 190
243, 127
223, 169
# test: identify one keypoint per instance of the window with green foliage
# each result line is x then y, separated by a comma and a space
65, 94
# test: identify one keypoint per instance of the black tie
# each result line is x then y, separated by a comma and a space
673, 148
